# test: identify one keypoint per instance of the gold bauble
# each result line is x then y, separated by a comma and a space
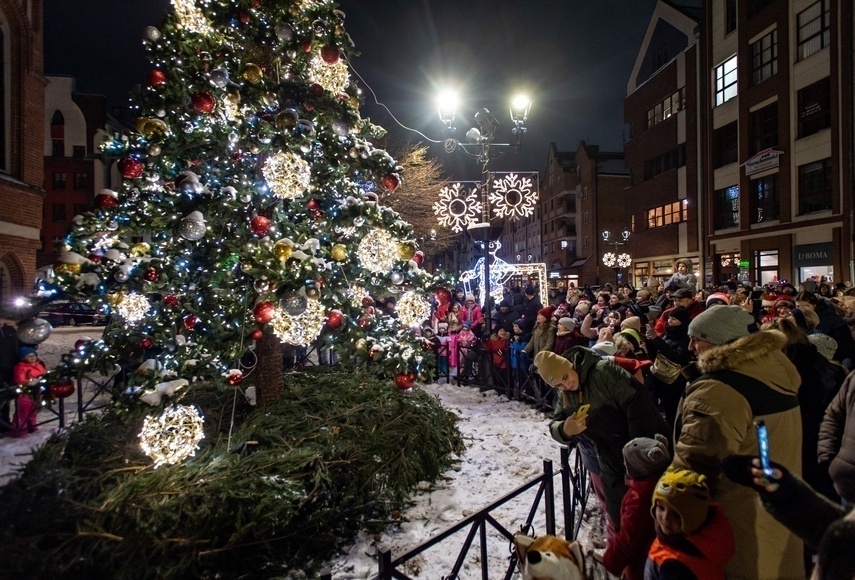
406, 251
140, 249
283, 250
114, 299
64, 268
287, 119
354, 102
269, 98
154, 128
339, 252
139, 124
233, 97
253, 74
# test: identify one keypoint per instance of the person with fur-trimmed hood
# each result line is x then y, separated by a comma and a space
683, 276
746, 376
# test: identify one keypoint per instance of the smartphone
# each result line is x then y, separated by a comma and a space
763, 445
582, 411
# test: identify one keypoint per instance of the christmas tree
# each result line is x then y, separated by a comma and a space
248, 210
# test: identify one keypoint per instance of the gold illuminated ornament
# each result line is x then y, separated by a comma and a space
73, 269
283, 249
412, 309
133, 308
173, 436
406, 251
140, 249
190, 17
513, 196
378, 251
333, 77
338, 252
287, 175
253, 74
458, 206
302, 329
355, 294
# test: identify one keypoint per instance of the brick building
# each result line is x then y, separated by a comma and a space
21, 161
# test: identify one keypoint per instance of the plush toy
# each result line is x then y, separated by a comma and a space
549, 558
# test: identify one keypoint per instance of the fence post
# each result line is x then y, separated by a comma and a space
385, 571
550, 496
566, 494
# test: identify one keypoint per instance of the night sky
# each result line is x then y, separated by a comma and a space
574, 58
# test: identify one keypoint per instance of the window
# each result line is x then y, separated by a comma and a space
767, 206
766, 266
665, 215
81, 180
664, 110
59, 214
665, 162
730, 13
563, 244
815, 187
725, 81
727, 144
726, 208
814, 29
57, 148
765, 57
814, 107
78, 151
764, 128
59, 178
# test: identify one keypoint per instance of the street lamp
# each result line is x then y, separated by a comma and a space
614, 260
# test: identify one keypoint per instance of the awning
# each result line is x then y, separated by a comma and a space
578, 263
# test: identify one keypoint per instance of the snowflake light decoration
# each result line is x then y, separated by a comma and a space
610, 259
302, 329
191, 17
378, 251
624, 260
412, 309
333, 77
513, 196
173, 436
133, 308
458, 207
288, 175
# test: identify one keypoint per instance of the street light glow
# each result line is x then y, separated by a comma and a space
447, 102
520, 106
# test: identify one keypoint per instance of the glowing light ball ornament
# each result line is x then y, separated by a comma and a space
332, 77
173, 436
378, 251
412, 309
192, 227
133, 308
191, 17
302, 329
287, 175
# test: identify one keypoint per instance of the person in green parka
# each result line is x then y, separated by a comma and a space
621, 409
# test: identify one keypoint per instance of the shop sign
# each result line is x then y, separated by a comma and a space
767, 159
813, 255
743, 264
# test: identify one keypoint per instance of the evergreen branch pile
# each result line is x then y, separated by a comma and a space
334, 456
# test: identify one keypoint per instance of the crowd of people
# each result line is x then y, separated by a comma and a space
661, 390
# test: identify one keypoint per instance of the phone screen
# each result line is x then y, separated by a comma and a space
763, 445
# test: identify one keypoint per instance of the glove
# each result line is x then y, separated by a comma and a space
745, 470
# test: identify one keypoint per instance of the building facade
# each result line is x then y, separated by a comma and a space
21, 161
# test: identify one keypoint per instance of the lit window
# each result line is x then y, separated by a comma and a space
725, 81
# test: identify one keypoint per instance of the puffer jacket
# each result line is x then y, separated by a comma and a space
836, 448
716, 419
542, 338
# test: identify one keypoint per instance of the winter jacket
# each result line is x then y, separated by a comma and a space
529, 309
565, 341
627, 550
504, 319
700, 555
716, 419
471, 315
662, 323
499, 350
516, 346
542, 338
836, 447
25, 372
687, 281
833, 325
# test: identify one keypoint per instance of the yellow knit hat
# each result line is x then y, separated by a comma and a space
552, 367
686, 493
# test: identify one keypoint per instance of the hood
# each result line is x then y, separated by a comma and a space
583, 359
757, 355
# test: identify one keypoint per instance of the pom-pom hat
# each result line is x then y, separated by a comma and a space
546, 312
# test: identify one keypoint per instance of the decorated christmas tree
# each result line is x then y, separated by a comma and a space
248, 210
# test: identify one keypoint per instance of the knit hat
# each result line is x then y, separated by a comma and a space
686, 493
721, 324
718, 298
529, 290
24, 351
546, 312
643, 294
633, 322
682, 293
680, 313
605, 348
784, 300
524, 324
633, 336
504, 304
583, 308
552, 367
644, 457
442, 326
470, 298
567, 323
768, 300
825, 345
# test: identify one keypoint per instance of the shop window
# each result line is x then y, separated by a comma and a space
814, 29
727, 144
814, 107
815, 193
766, 266
764, 55
725, 81
764, 128
726, 208
765, 199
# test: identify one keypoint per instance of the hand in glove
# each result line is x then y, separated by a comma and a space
745, 470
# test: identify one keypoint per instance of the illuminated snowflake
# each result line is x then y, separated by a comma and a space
610, 259
513, 196
624, 260
458, 207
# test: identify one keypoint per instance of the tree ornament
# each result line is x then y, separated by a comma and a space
367, 301
332, 77
82, 343
170, 300
294, 303
375, 351
391, 181
234, 377
406, 251
253, 74
154, 128
190, 321
284, 32
107, 198
259, 225
397, 278
62, 388
316, 89
151, 275
156, 78
219, 78
140, 249
419, 257
330, 54
152, 34
287, 119
256, 334
306, 45
405, 381
283, 249
335, 318
338, 252
203, 102
33, 331
365, 320
377, 251
313, 204
313, 292
287, 174
412, 309
132, 308
146, 343
130, 168
192, 227
264, 312
299, 330
173, 436
371, 196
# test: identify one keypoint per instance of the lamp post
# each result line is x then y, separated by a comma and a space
486, 224
614, 260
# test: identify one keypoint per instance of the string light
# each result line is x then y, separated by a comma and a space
610, 259
287, 175
624, 260
513, 196
412, 309
333, 77
456, 207
133, 308
302, 329
173, 436
190, 16
377, 251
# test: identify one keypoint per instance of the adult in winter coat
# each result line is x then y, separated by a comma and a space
504, 317
673, 345
620, 410
745, 377
836, 448
832, 324
681, 298
531, 304
543, 335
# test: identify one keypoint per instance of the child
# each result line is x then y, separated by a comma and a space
433, 344
498, 346
693, 537
26, 373
442, 348
522, 334
467, 355
645, 460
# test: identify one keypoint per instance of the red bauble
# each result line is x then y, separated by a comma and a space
391, 181
146, 343
419, 257
151, 275
330, 54
130, 168
95, 258
256, 334
316, 89
264, 311
107, 199
367, 301
156, 78
307, 46
365, 320
190, 321
62, 388
82, 343
317, 215
259, 226
170, 300
313, 204
204, 102
309, 106
244, 18
234, 378
369, 310
405, 381
335, 318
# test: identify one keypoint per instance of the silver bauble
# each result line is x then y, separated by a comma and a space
284, 32
359, 221
154, 150
190, 187
121, 276
261, 284
192, 227
152, 34
33, 331
112, 225
397, 278
219, 77
245, 198
294, 303
160, 113
233, 138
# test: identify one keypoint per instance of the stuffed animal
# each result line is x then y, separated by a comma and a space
549, 558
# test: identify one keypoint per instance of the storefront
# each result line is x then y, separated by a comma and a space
814, 261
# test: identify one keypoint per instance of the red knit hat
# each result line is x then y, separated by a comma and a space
546, 312
785, 300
